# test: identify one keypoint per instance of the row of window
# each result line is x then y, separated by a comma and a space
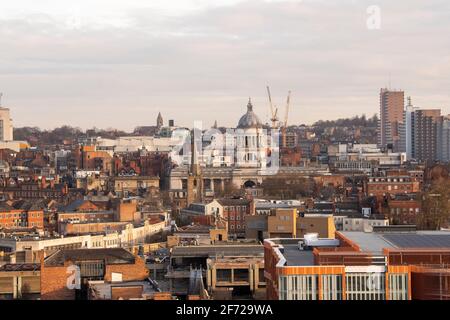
389, 179
20, 223
359, 286
404, 210
390, 187
232, 217
18, 215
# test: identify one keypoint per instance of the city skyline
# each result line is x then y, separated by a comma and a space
86, 66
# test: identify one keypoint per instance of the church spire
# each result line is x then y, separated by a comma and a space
159, 121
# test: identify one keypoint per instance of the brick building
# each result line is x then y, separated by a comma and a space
391, 185
235, 211
403, 209
30, 216
94, 264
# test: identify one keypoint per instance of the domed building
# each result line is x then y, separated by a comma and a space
250, 140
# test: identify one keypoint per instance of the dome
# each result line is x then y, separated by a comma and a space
250, 119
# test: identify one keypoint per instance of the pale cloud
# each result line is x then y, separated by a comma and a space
116, 63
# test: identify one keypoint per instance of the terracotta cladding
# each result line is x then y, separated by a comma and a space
430, 286
418, 257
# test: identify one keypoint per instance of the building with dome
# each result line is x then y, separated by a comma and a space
253, 162
251, 141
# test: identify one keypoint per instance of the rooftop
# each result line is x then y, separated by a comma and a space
230, 250
375, 242
20, 267
296, 257
110, 256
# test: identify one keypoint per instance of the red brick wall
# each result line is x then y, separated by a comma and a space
7, 218
54, 284
54, 279
130, 272
36, 218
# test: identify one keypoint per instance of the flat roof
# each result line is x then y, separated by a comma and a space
296, 257
377, 241
371, 242
233, 250
109, 256
419, 240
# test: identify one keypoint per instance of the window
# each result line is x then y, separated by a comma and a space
398, 286
365, 286
299, 287
331, 287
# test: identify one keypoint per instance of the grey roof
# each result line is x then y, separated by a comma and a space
73, 206
371, 242
296, 257
233, 202
4, 207
218, 250
375, 242
250, 119
419, 240
29, 205
110, 256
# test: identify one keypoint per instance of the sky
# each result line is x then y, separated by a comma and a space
116, 64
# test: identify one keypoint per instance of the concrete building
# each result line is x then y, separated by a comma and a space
6, 126
125, 185
287, 223
363, 158
226, 276
392, 104
232, 265
126, 235
407, 133
445, 140
20, 281
427, 139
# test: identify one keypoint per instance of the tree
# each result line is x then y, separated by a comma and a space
288, 188
436, 206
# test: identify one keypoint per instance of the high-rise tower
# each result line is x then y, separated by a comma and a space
392, 105
6, 126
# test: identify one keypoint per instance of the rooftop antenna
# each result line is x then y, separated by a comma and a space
1, 95
390, 84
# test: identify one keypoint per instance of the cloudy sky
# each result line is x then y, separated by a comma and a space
111, 63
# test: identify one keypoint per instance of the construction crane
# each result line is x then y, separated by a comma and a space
286, 116
273, 112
